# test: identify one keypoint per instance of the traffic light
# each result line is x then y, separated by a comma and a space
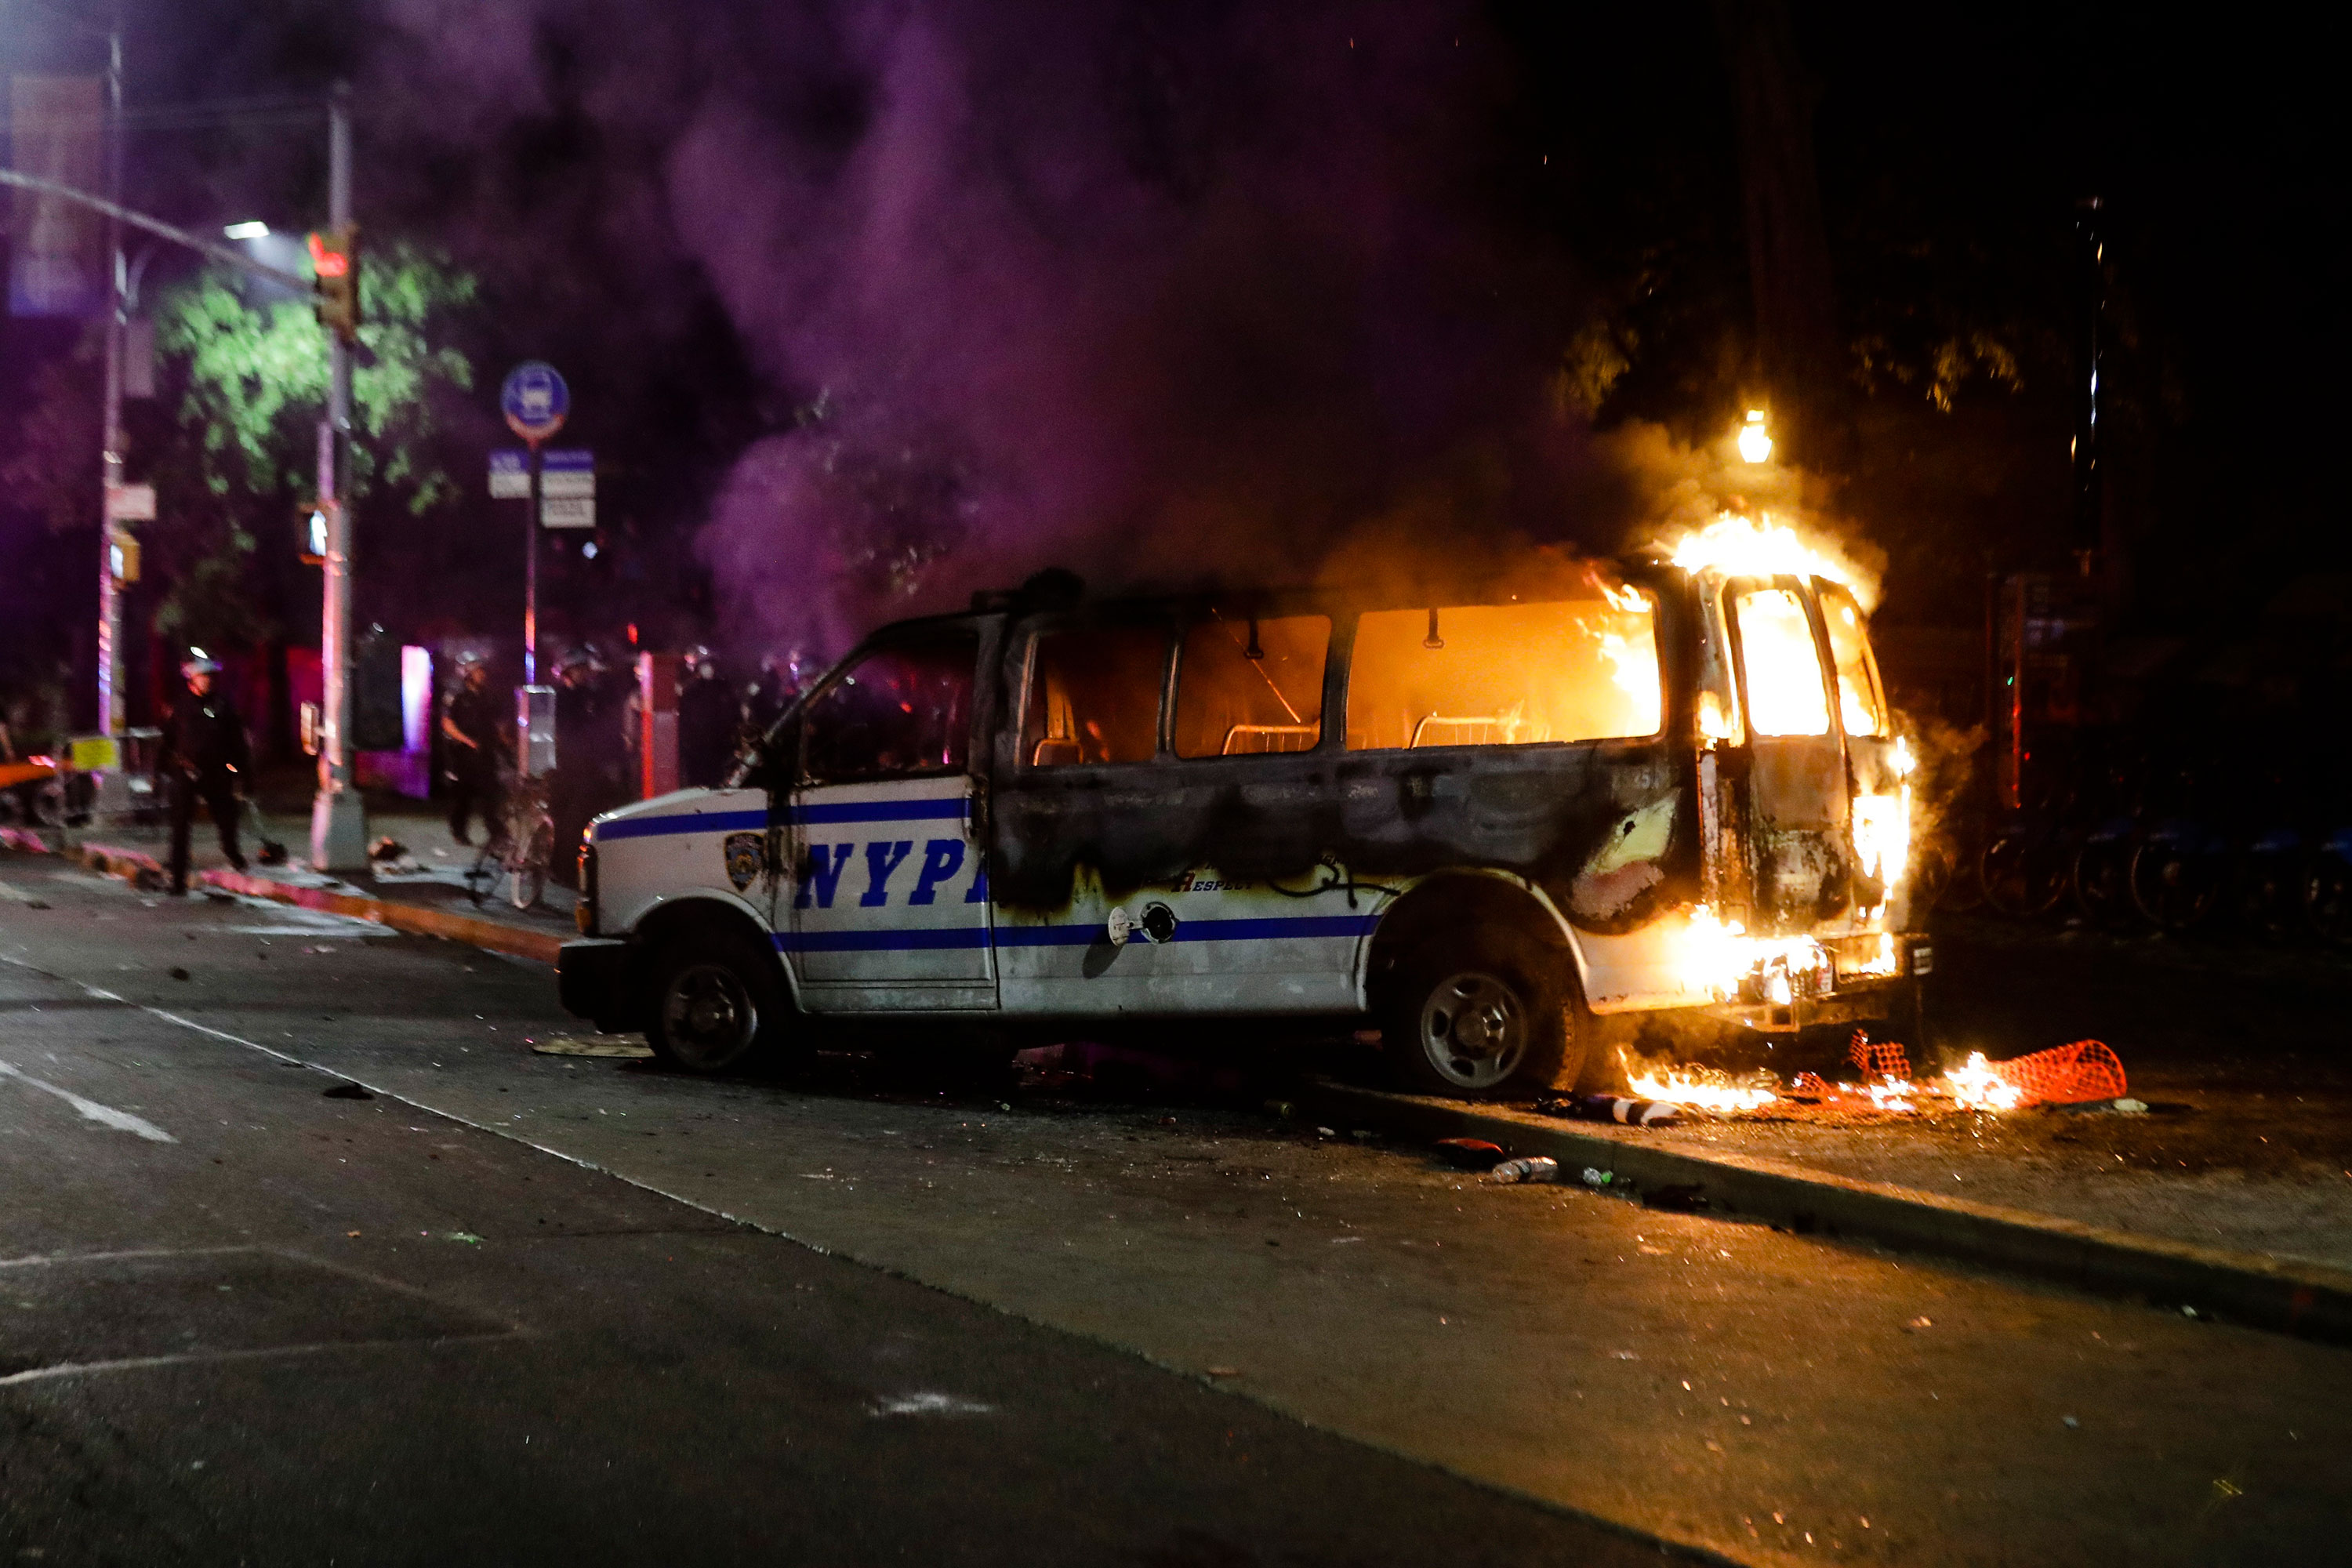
335, 259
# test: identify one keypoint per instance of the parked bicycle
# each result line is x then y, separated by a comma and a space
518, 853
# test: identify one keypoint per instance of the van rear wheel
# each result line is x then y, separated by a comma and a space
1489, 1020
717, 1004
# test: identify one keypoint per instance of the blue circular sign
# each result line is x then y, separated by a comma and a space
535, 400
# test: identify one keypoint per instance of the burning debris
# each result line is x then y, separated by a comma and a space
2086, 1072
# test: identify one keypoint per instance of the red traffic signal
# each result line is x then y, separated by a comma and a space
335, 261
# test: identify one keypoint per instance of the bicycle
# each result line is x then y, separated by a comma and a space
522, 849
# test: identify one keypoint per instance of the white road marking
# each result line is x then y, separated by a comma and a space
264, 1353
16, 895
105, 1115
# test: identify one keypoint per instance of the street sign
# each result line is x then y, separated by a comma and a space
131, 503
567, 473
567, 511
511, 475
535, 400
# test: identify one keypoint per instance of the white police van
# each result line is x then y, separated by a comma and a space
1483, 816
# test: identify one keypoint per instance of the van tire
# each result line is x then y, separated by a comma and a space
1491, 1019
717, 1003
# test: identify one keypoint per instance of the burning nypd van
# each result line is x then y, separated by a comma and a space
1486, 817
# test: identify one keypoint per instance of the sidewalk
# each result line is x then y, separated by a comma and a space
432, 901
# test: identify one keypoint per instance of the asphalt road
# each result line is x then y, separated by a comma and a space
517, 1308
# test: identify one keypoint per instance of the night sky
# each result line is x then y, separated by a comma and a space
867, 305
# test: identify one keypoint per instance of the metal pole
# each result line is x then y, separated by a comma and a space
338, 821
111, 717
2091, 257
530, 578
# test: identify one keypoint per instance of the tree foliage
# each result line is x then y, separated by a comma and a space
257, 379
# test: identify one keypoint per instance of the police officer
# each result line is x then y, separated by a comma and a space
707, 722
472, 737
588, 751
781, 678
202, 757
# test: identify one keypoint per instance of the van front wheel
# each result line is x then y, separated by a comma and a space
716, 1003
1488, 1023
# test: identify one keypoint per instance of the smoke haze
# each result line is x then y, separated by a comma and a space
1154, 292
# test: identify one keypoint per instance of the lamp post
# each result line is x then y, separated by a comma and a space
338, 816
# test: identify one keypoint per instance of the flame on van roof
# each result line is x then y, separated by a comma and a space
1760, 547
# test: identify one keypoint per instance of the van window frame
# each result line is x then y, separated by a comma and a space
1030, 631
1347, 625
978, 721
1338, 637
1824, 661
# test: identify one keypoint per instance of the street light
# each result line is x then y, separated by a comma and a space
251, 228
1755, 441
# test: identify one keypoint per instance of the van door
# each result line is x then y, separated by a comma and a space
890, 907
1798, 806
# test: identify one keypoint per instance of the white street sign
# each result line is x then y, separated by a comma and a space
567, 473
130, 503
566, 511
509, 476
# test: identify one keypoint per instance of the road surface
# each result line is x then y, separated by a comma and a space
524, 1308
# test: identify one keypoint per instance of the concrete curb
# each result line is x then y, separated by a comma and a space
494, 936
2308, 1301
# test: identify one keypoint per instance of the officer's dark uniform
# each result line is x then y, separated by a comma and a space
708, 718
202, 757
473, 771
591, 755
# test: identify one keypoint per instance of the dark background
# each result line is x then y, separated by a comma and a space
861, 312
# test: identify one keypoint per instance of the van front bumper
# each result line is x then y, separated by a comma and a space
596, 978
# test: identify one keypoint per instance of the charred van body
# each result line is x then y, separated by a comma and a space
1488, 814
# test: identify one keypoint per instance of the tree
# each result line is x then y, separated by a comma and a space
257, 379
237, 463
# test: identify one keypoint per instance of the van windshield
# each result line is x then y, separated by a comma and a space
1506, 675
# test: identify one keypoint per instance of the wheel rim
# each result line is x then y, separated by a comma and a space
708, 1015
1473, 1031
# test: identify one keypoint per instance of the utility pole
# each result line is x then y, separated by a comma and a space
110, 709
338, 816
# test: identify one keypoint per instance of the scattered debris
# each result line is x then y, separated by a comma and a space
468, 1236
347, 1091
1222, 1370
1534, 1168
625, 1048
390, 854
2131, 1106
1631, 1112
1469, 1154
1596, 1178
178, 973
927, 1404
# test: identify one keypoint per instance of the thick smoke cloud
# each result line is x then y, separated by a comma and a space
1156, 292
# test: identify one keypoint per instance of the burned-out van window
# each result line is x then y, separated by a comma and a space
904, 709
1248, 685
1506, 675
1861, 708
1093, 696
1781, 666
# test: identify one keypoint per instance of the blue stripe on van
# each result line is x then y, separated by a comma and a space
931, 939
949, 810
925, 941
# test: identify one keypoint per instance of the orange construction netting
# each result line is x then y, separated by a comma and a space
2069, 1075
1877, 1060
